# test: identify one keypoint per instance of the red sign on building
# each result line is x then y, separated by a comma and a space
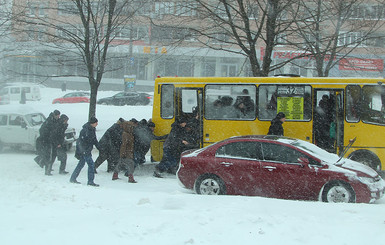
350, 64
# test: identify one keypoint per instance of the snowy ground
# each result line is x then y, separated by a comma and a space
38, 209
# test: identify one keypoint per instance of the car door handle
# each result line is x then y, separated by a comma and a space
270, 168
227, 163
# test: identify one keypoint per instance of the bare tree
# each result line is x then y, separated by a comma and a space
5, 20
240, 27
329, 31
83, 30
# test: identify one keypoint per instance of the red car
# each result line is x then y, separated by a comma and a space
74, 97
277, 167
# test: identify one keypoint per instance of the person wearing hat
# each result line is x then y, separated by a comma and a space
276, 127
45, 145
84, 145
172, 148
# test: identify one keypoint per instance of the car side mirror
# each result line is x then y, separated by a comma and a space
23, 125
303, 160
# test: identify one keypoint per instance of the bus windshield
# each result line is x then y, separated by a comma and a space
372, 107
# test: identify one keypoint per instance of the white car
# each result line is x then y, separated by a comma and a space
19, 127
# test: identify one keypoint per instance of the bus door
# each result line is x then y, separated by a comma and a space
189, 105
328, 119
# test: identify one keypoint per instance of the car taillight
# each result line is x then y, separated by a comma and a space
148, 97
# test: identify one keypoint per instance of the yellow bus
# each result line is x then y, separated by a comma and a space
328, 112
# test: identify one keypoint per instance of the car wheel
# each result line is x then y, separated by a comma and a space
210, 185
367, 158
338, 192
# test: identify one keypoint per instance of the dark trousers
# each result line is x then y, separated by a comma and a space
111, 160
62, 157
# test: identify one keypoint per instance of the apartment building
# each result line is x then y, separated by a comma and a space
154, 42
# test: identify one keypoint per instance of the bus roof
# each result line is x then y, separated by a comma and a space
269, 80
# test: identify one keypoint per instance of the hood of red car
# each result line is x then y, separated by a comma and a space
347, 165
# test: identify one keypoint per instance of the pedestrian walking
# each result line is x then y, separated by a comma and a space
84, 145
276, 127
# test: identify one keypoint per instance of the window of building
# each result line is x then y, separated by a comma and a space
162, 8
143, 8
138, 33
36, 9
208, 68
367, 12
281, 39
186, 8
252, 11
219, 38
67, 8
351, 39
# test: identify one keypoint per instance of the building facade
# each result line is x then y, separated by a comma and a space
146, 46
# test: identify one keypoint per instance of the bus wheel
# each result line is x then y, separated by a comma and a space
209, 184
337, 191
367, 158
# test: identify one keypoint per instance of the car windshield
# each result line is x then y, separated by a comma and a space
35, 119
315, 151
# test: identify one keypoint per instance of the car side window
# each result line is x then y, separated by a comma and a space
3, 119
15, 120
248, 150
280, 153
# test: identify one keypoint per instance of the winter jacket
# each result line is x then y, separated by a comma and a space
112, 139
143, 137
59, 132
173, 143
87, 139
47, 129
127, 147
276, 127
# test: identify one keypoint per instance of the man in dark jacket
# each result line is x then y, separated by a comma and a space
276, 124
144, 134
59, 142
172, 148
84, 145
109, 146
46, 148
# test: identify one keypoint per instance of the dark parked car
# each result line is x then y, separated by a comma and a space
74, 97
126, 98
277, 167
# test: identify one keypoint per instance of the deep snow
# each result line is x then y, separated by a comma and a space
39, 209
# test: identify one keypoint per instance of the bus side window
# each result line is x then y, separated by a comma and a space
167, 101
353, 94
267, 102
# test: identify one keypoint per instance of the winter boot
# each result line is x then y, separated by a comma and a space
115, 176
48, 169
131, 179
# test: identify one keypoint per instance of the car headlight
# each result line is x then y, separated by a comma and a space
366, 180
